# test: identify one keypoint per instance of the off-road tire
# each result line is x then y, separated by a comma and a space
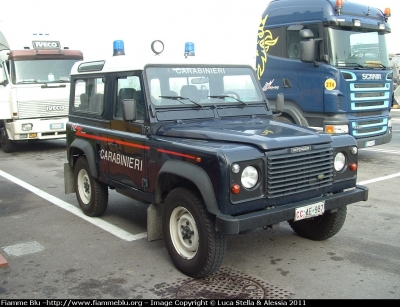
320, 227
92, 194
7, 145
202, 251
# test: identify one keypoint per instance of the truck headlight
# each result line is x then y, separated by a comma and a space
249, 177
340, 161
337, 129
26, 127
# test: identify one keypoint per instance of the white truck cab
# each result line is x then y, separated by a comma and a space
34, 88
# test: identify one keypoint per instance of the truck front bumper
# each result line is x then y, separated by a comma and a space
235, 224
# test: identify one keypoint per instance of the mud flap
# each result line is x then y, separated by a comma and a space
68, 179
154, 223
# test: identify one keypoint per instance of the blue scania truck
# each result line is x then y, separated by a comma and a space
329, 58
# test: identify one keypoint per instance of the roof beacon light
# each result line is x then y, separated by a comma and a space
119, 48
189, 49
387, 13
339, 6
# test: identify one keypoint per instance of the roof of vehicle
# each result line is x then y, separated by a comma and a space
129, 63
281, 11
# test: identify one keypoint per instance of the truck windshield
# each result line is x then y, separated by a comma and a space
202, 85
361, 48
41, 71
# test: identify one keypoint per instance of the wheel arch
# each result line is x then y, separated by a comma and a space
80, 147
194, 175
292, 110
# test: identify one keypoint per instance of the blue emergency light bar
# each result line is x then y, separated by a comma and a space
118, 47
189, 49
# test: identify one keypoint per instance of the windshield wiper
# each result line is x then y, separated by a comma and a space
227, 96
28, 81
354, 64
180, 98
52, 86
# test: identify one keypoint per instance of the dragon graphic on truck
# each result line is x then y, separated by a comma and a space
265, 40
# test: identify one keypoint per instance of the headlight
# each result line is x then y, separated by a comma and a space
26, 127
340, 129
249, 177
340, 161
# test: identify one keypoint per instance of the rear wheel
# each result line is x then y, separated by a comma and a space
321, 227
92, 194
195, 247
6, 144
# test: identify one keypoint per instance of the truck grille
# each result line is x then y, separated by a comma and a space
49, 108
295, 173
369, 99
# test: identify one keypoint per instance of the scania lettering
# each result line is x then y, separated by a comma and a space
329, 59
34, 87
198, 145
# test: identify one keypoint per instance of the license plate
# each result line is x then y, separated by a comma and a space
370, 143
309, 211
57, 126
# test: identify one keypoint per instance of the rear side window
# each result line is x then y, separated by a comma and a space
89, 95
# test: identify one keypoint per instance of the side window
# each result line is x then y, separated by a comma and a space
129, 88
293, 44
89, 95
293, 40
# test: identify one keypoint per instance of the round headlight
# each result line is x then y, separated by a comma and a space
340, 161
249, 177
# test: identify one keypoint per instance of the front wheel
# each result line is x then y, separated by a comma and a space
192, 242
285, 119
92, 194
320, 227
7, 145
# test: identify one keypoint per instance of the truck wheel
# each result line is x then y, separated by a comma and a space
285, 119
92, 194
321, 227
193, 244
7, 145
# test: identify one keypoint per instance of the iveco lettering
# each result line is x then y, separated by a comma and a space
197, 144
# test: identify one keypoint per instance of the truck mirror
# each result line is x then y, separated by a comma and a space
307, 46
3, 78
306, 34
280, 103
129, 109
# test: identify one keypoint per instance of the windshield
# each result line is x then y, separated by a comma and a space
202, 85
42, 71
358, 48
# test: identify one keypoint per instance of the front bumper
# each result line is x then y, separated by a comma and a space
378, 140
227, 224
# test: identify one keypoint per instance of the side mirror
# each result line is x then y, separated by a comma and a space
307, 46
129, 109
3, 77
280, 103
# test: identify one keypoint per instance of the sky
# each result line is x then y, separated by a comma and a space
218, 28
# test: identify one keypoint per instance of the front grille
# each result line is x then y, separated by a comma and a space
296, 173
49, 108
366, 95
365, 114
369, 85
